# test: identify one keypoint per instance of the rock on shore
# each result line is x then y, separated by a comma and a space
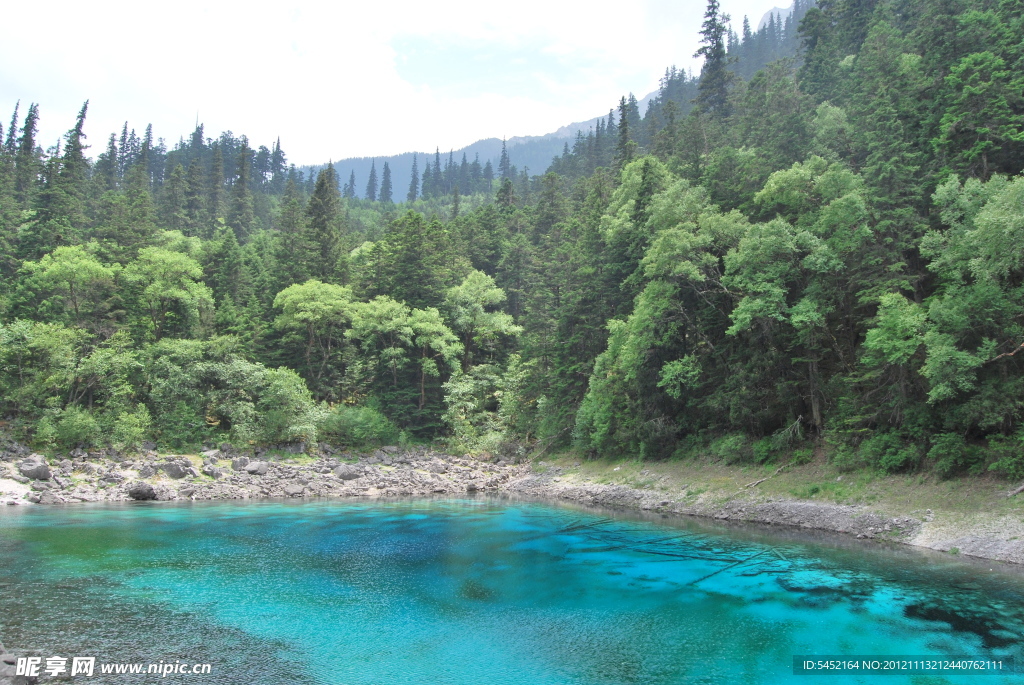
419, 472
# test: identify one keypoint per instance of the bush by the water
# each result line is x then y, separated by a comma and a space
347, 426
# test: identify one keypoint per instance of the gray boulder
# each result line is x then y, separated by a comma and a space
240, 463
147, 470
347, 472
293, 490
191, 471
35, 467
141, 491
212, 471
257, 468
173, 469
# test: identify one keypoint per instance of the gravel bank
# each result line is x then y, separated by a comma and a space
224, 473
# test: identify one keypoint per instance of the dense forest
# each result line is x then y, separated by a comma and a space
817, 242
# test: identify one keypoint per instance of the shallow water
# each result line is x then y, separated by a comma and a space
474, 591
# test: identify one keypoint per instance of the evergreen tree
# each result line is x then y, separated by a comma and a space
488, 175
350, 187
27, 165
625, 146
60, 207
196, 216
436, 176
414, 182
323, 229
371, 184
385, 185
713, 95
291, 247
504, 163
11, 143
428, 183
215, 205
241, 216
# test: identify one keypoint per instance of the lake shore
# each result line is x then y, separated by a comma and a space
984, 523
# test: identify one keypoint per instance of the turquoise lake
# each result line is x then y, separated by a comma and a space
452, 592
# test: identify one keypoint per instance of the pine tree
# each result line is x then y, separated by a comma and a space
215, 206
291, 245
414, 182
436, 177
428, 182
385, 185
488, 176
371, 184
60, 206
11, 144
173, 212
27, 165
323, 228
504, 163
106, 166
196, 217
714, 76
242, 216
350, 187
625, 147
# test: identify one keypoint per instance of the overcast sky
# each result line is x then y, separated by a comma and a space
341, 79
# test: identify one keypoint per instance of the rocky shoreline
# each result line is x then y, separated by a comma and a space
224, 473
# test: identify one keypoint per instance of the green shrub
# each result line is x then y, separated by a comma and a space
181, 425
77, 427
890, 452
131, 428
356, 427
732, 449
1008, 451
952, 454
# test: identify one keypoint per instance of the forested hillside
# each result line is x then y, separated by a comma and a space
825, 251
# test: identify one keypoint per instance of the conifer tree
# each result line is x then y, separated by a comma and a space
291, 247
242, 216
625, 146
11, 143
428, 182
371, 184
414, 182
385, 185
173, 212
323, 228
436, 177
714, 76
106, 166
215, 206
27, 165
60, 209
350, 187
504, 163
196, 217
488, 175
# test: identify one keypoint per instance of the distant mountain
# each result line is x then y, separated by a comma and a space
780, 14
536, 152
531, 152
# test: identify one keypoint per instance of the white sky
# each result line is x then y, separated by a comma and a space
340, 79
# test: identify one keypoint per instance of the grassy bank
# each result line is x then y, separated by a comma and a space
815, 481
